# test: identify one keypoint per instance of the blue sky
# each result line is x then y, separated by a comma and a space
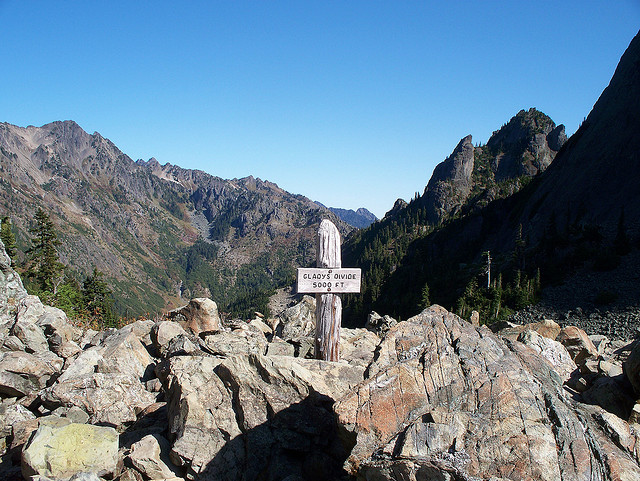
351, 103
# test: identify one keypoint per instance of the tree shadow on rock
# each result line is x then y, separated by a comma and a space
300, 443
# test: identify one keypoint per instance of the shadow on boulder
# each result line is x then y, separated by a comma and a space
300, 443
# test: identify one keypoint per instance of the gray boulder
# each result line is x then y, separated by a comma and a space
106, 381
247, 416
552, 351
22, 373
446, 400
379, 324
11, 292
148, 457
298, 321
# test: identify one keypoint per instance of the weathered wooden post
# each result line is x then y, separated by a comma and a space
329, 305
327, 280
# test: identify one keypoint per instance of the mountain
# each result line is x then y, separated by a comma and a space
467, 181
580, 213
521, 149
359, 219
161, 234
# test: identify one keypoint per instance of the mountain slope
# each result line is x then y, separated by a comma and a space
577, 213
521, 149
160, 233
468, 180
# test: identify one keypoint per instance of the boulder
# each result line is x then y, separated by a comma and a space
147, 458
546, 328
142, 330
200, 315
53, 330
379, 324
31, 335
258, 323
123, 353
105, 381
11, 413
11, 292
12, 343
552, 351
299, 320
578, 344
234, 343
357, 346
112, 398
446, 400
611, 394
631, 367
22, 373
278, 347
61, 451
252, 416
163, 332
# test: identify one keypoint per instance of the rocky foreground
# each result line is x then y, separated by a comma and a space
190, 397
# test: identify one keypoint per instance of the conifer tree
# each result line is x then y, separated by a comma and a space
8, 238
43, 263
96, 297
425, 298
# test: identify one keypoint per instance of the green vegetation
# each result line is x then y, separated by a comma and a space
91, 303
8, 238
495, 302
239, 294
96, 298
43, 267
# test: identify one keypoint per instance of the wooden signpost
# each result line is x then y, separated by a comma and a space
327, 281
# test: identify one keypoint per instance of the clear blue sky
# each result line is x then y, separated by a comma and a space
351, 103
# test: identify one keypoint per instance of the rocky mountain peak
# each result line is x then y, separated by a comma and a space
141, 219
526, 145
523, 147
457, 167
524, 124
398, 205
450, 184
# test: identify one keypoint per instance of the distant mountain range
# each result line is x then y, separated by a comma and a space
161, 234
359, 218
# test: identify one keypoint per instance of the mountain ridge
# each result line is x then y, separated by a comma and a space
138, 221
582, 211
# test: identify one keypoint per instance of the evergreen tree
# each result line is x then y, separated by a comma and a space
621, 243
69, 296
425, 300
8, 238
97, 299
43, 262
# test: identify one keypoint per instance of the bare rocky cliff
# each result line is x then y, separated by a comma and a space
474, 176
596, 176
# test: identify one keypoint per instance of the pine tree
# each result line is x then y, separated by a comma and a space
425, 299
97, 299
8, 238
42, 258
